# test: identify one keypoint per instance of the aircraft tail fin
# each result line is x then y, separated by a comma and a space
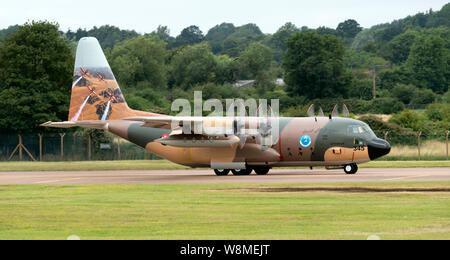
95, 92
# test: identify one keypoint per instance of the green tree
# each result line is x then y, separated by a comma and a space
400, 46
279, 38
428, 62
409, 119
163, 33
386, 106
422, 97
189, 36
217, 35
404, 92
109, 35
226, 69
192, 65
326, 30
140, 60
348, 29
314, 66
6, 32
243, 35
254, 61
36, 67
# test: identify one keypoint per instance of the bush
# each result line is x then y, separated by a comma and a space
422, 97
446, 98
386, 106
409, 119
404, 92
358, 106
396, 133
440, 115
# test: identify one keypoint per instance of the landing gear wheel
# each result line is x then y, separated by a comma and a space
262, 170
350, 168
242, 171
221, 172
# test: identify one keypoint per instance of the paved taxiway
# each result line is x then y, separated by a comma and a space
207, 176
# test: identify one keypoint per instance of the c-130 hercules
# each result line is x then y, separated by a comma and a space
333, 142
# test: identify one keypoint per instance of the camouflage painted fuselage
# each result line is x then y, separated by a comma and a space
333, 143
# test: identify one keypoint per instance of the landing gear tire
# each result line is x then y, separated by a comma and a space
239, 172
221, 172
350, 168
262, 170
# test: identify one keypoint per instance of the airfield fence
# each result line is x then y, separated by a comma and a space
68, 147
75, 146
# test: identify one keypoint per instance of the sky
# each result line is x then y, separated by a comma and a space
269, 15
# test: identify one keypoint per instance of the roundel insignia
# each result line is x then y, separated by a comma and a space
305, 141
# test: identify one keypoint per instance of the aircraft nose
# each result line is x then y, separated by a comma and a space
377, 148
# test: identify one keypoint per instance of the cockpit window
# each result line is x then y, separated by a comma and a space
355, 129
360, 130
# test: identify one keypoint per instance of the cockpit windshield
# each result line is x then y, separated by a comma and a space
360, 130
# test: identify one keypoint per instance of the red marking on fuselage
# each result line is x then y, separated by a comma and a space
279, 148
164, 135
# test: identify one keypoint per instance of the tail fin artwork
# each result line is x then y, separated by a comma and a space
95, 92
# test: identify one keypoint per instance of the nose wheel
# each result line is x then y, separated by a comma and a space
350, 168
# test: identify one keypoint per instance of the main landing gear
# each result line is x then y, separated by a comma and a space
350, 168
240, 172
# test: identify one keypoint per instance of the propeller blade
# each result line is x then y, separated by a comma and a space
335, 112
272, 114
261, 111
320, 112
242, 141
345, 111
311, 112
241, 108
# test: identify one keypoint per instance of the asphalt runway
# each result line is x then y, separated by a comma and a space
207, 176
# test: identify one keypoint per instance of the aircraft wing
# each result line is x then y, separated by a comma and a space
196, 128
164, 122
169, 122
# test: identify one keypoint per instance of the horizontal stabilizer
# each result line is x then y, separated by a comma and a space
84, 124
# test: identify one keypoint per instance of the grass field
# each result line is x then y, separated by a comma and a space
429, 150
238, 211
166, 165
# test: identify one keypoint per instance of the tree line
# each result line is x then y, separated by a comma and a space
407, 61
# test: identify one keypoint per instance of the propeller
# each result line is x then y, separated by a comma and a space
335, 112
238, 127
320, 112
310, 111
238, 124
265, 125
345, 111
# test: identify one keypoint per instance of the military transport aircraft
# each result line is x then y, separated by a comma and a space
333, 142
